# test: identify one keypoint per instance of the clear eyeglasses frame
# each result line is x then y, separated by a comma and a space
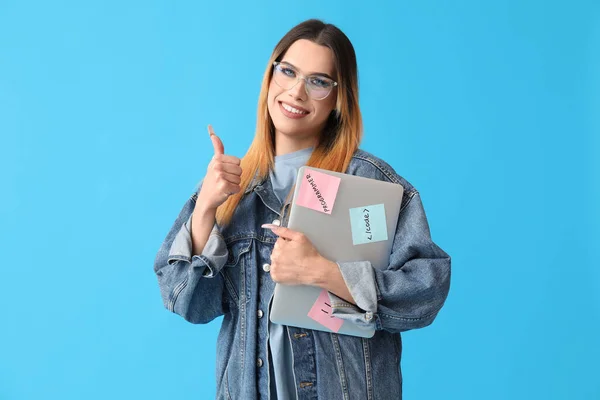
317, 87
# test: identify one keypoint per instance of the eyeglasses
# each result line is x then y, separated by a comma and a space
317, 86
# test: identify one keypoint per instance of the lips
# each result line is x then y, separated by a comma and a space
292, 111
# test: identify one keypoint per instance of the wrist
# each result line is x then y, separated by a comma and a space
202, 217
204, 212
321, 272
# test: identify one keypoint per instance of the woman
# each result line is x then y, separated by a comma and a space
220, 258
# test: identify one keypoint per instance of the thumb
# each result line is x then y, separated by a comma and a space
217, 144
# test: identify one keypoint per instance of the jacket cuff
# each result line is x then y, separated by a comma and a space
360, 280
213, 256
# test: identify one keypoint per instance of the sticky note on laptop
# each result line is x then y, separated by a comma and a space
368, 224
318, 191
321, 312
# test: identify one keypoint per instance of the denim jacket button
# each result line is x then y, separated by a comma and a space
368, 315
259, 362
260, 313
266, 267
276, 222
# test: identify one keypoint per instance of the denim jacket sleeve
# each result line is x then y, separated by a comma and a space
409, 293
191, 285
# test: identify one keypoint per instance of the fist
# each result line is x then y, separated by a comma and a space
223, 176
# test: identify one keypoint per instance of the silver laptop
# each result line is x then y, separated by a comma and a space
347, 218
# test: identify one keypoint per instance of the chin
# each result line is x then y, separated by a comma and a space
289, 127
287, 130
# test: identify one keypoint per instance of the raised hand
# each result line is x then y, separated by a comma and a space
223, 176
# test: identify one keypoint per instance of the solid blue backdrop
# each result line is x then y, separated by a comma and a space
489, 109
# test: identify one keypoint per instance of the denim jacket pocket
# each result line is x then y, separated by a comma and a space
234, 272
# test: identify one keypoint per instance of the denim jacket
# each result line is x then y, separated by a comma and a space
231, 279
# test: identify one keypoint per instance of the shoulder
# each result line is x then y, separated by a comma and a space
366, 164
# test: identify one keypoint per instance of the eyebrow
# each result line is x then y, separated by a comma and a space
314, 73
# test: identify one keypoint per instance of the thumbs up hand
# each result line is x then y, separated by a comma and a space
223, 176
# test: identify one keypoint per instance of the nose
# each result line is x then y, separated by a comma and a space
298, 92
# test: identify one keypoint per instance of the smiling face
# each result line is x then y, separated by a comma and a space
296, 115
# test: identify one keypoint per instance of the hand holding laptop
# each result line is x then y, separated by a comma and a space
294, 257
296, 261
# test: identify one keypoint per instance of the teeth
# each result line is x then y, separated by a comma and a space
292, 109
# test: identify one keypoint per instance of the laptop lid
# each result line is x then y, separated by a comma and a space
347, 218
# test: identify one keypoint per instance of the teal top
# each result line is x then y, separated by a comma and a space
281, 367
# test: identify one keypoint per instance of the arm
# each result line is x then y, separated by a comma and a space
190, 282
406, 295
190, 259
202, 223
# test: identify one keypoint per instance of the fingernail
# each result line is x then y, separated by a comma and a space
269, 226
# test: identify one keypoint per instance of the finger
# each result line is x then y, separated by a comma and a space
282, 232
227, 159
229, 188
217, 144
278, 243
228, 168
230, 178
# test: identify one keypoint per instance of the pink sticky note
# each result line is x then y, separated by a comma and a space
321, 312
318, 191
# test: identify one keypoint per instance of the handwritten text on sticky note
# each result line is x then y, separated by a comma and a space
321, 312
368, 224
318, 191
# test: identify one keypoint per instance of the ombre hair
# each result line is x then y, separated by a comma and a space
343, 131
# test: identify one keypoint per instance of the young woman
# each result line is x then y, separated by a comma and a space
220, 258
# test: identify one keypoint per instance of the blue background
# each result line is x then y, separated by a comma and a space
490, 109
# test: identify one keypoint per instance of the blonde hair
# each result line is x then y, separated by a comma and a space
342, 133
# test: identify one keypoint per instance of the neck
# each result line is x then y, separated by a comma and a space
285, 144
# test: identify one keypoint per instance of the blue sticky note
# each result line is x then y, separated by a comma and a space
368, 224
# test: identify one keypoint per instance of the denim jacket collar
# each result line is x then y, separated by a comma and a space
264, 189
